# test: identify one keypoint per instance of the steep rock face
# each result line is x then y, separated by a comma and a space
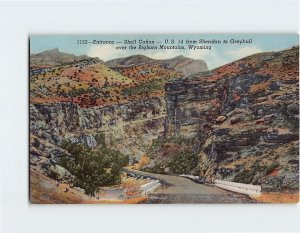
44, 157
190, 105
244, 118
127, 127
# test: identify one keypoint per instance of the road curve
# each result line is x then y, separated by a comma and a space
179, 190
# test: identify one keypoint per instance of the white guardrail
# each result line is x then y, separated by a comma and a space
249, 189
150, 187
190, 176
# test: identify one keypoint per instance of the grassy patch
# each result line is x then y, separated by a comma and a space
146, 87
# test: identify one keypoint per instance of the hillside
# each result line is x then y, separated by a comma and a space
240, 123
87, 83
59, 77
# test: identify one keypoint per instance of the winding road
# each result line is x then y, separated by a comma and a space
180, 190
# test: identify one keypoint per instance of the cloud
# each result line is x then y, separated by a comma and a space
106, 52
198, 54
242, 52
213, 61
163, 54
167, 54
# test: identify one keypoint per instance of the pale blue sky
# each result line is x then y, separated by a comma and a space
219, 55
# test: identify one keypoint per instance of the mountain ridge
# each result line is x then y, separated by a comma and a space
179, 63
54, 57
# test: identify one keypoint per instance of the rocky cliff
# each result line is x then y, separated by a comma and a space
128, 128
244, 119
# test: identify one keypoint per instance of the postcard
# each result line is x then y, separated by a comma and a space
164, 118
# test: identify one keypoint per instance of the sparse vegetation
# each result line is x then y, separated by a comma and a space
245, 176
179, 158
158, 143
271, 168
184, 163
157, 84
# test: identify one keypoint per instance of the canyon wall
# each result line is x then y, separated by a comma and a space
128, 128
244, 119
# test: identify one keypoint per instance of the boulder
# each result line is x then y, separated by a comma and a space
59, 173
85, 139
291, 181
221, 119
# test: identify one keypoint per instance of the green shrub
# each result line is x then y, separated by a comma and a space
158, 168
271, 168
180, 140
93, 168
293, 150
100, 139
159, 143
245, 176
156, 145
146, 87
183, 163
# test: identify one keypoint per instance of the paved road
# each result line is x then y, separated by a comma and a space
182, 190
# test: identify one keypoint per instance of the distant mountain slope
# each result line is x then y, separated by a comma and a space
181, 64
54, 57
129, 61
186, 65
